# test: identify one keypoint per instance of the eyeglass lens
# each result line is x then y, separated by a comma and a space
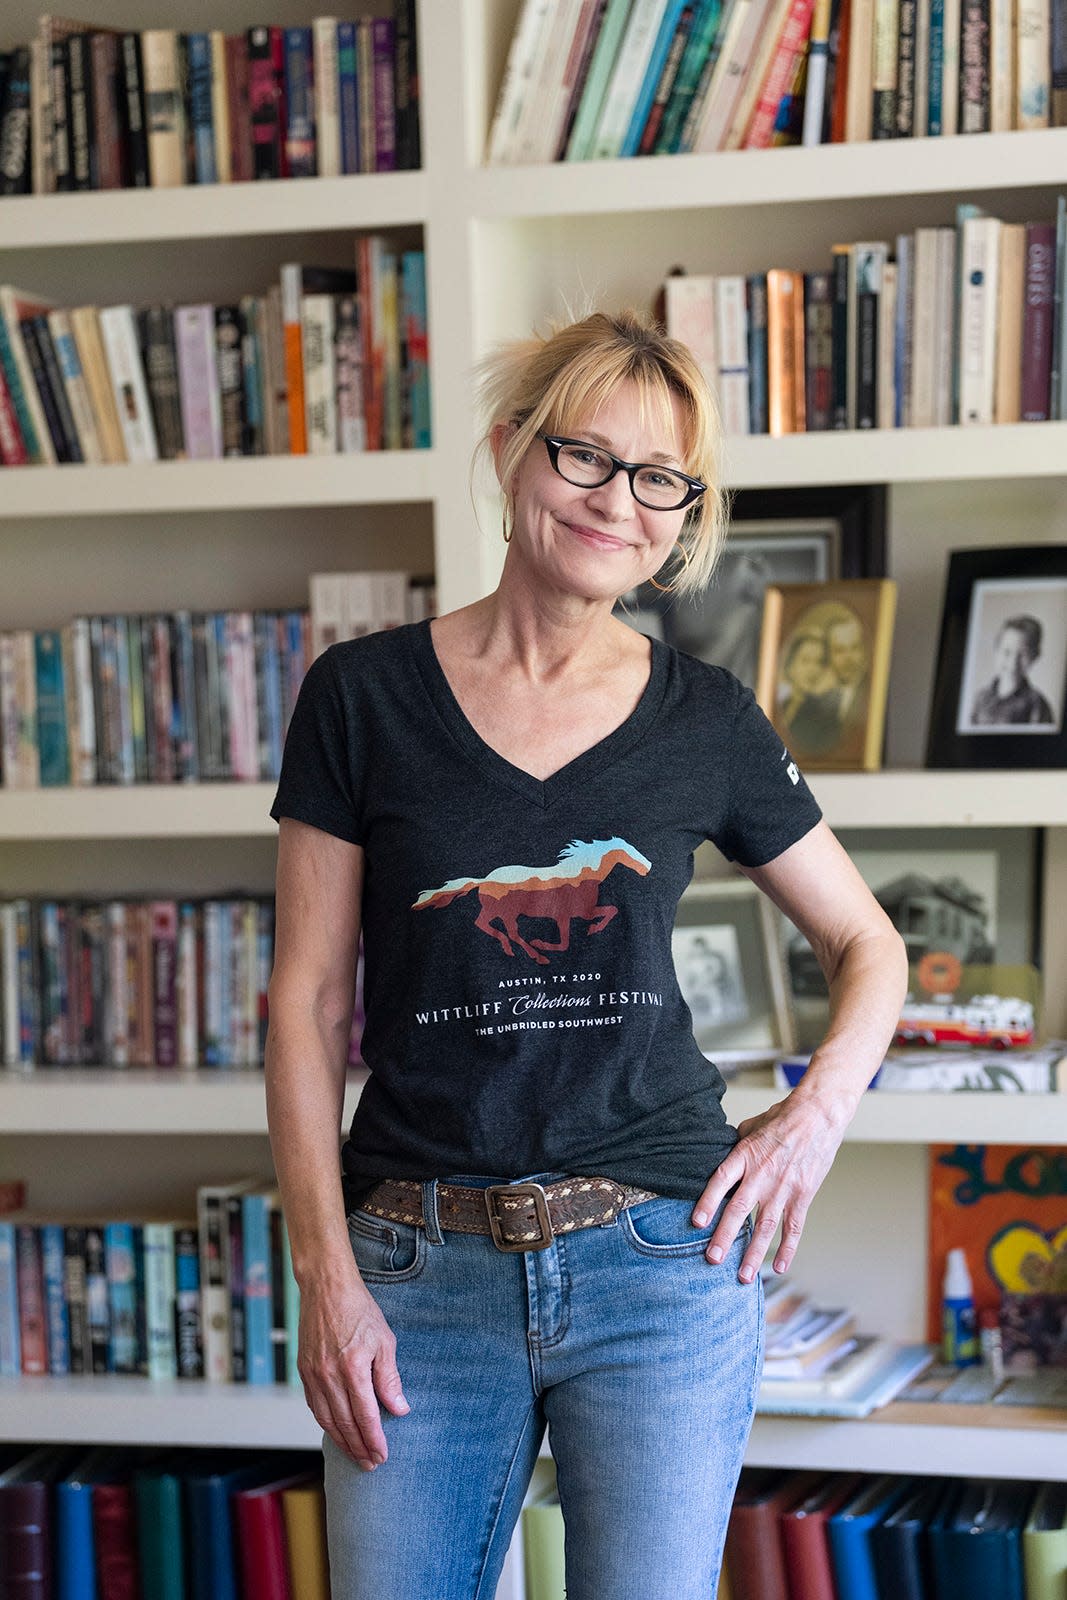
588, 467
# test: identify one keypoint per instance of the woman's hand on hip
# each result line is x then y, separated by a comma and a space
347, 1364
778, 1163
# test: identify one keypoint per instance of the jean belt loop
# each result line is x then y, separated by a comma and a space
429, 1212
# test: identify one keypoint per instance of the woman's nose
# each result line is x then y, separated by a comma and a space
613, 499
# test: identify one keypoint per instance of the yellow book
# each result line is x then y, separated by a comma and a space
1045, 1544
304, 1511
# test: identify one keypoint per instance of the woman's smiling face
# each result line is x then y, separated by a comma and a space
598, 543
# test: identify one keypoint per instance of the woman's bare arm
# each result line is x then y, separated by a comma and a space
347, 1359
784, 1154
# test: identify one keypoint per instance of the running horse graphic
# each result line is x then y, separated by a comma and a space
565, 891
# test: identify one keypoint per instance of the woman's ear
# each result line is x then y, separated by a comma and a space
499, 435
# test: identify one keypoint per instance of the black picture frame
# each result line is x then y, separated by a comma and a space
984, 591
845, 522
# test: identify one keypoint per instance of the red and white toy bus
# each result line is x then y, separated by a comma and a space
986, 1019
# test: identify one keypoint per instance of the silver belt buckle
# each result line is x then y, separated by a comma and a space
532, 1191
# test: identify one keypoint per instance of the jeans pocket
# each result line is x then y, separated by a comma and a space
664, 1227
386, 1252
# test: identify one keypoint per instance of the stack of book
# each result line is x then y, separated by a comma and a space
347, 605
330, 361
132, 1522
85, 106
815, 1363
205, 1296
600, 79
946, 325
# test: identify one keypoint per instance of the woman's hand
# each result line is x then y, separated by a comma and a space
347, 1363
778, 1163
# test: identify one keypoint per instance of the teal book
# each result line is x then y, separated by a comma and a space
580, 143
701, 39
157, 1493
976, 1541
51, 709
667, 29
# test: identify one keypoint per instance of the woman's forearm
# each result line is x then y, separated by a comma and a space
868, 984
305, 1061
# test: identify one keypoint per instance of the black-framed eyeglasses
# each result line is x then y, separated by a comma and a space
588, 466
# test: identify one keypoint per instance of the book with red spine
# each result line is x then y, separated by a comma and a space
261, 1540
115, 1534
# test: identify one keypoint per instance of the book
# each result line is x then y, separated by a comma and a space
805, 1541
1044, 1543
872, 1387
976, 1541
850, 1534
899, 1543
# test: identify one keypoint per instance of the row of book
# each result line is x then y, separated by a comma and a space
182, 697
87, 106
206, 1296
849, 1536
947, 325
140, 983
602, 79
105, 1523
328, 362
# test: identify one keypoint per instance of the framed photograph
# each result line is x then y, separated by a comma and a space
730, 972
814, 535
1000, 694
974, 896
824, 670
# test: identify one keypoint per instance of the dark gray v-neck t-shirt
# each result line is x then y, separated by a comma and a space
522, 1011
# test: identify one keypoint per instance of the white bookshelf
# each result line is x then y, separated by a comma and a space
120, 1410
219, 1101
504, 249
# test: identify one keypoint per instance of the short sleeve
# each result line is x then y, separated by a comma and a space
770, 805
316, 781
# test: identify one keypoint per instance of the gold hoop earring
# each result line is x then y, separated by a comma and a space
508, 531
668, 588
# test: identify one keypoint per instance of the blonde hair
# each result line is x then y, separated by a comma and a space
554, 384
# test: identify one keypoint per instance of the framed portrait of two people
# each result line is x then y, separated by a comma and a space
824, 670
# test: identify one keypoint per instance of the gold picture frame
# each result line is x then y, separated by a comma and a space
824, 670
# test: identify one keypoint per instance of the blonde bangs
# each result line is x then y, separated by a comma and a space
557, 384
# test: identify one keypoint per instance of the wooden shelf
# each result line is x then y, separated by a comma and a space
163, 1101
114, 1410
211, 210
973, 164
246, 483
913, 799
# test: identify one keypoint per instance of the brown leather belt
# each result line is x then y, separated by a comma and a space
519, 1216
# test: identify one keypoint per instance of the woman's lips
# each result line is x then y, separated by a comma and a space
606, 541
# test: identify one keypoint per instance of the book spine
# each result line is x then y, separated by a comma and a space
62, 173
905, 69
1037, 321
384, 105
230, 375
365, 93
348, 96
42, 389
74, 386
325, 91
198, 381
159, 1300
790, 47
161, 374
10, 1343
164, 108
818, 349
258, 1307
263, 106
731, 330
1033, 64
300, 130
76, 1297
884, 69
974, 67
759, 419
841, 347
79, 87
136, 170
122, 1300
119, 336
33, 1326
201, 115
58, 1334
16, 163
406, 84
233, 1223
188, 1342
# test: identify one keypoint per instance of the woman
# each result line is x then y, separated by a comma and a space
547, 1213
807, 709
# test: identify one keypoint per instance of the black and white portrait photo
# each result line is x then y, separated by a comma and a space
1015, 659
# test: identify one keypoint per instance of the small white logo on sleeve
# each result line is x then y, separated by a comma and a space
794, 775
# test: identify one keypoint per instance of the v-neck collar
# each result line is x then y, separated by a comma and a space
542, 792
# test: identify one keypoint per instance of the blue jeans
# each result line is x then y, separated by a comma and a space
642, 1358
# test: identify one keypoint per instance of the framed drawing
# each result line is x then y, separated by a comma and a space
730, 972
824, 670
1000, 691
779, 536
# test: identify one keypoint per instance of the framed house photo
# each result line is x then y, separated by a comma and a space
810, 535
1000, 690
824, 670
730, 971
